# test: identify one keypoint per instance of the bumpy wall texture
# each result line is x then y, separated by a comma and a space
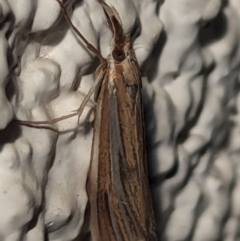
189, 52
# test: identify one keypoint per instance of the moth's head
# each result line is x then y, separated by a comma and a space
121, 43
120, 51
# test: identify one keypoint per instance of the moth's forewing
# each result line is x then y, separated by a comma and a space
120, 200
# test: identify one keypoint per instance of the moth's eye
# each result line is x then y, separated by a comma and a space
118, 54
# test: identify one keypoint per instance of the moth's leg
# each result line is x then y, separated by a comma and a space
94, 89
97, 83
78, 112
88, 45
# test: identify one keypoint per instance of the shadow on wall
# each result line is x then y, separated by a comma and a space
213, 31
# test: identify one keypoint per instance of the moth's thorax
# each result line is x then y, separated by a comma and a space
116, 68
112, 72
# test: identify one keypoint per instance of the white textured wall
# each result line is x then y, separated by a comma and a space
192, 105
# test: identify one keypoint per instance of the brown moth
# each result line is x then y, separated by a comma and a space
118, 188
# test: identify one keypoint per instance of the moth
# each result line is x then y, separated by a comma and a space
118, 188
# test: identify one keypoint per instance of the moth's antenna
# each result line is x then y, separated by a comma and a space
88, 45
